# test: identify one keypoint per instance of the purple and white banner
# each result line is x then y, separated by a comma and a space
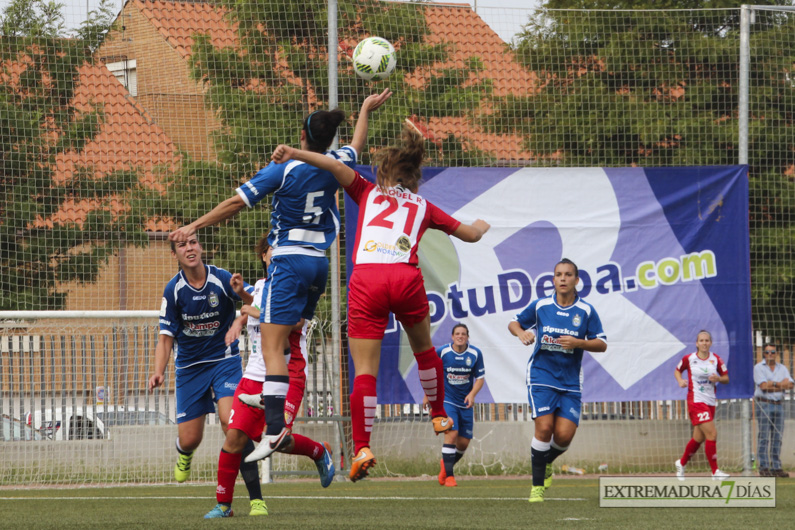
662, 252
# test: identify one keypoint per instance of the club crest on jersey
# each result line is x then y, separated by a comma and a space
213, 299
403, 244
577, 320
469, 361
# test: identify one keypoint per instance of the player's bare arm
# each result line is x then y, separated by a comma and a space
526, 337
341, 172
162, 353
235, 329
370, 103
472, 233
229, 208
592, 345
239, 286
722, 379
682, 383
469, 400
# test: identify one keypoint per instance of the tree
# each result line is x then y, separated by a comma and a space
40, 122
262, 88
631, 87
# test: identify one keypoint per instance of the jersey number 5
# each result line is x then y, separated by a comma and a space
382, 219
313, 212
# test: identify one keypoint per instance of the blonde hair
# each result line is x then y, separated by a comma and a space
401, 164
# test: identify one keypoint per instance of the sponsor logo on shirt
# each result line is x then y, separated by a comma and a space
403, 244
382, 248
199, 297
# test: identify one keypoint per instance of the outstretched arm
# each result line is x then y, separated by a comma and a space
341, 172
229, 208
472, 233
360, 132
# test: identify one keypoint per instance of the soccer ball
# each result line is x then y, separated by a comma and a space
374, 58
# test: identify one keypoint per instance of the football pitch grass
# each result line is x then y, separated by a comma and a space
382, 503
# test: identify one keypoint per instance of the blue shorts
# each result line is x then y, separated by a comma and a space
463, 419
201, 385
547, 400
295, 284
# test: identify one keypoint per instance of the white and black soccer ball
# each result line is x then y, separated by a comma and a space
374, 58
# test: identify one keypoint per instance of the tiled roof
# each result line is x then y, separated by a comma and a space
177, 21
455, 24
126, 140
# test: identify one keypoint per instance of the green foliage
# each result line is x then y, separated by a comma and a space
39, 124
262, 89
661, 88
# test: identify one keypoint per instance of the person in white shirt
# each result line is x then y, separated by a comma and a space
771, 379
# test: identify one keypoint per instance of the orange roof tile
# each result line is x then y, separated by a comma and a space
126, 140
455, 24
178, 21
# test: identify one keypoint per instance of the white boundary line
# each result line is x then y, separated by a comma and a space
269, 497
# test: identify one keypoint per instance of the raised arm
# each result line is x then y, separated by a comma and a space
229, 208
341, 172
472, 233
360, 132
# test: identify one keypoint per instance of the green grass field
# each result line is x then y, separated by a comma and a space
387, 503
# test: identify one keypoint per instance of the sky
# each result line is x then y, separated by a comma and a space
503, 16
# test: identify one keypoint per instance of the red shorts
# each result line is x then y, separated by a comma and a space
375, 290
700, 412
243, 417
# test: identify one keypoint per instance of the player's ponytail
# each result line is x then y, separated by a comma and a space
321, 127
403, 164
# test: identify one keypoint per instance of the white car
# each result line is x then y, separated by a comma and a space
13, 430
90, 422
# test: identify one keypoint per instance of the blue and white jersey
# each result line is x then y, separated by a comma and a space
460, 372
198, 319
304, 215
550, 364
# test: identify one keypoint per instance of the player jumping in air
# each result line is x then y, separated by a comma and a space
304, 224
390, 212
562, 326
246, 423
705, 369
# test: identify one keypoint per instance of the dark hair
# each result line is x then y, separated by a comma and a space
769, 345
321, 128
460, 325
261, 248
401, 164
567, 261
174, 244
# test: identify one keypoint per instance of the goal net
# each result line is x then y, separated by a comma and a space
127, 119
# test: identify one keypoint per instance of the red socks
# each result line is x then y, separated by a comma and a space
307, 447
431, 371
710, 448
297, 370
363, 404
228, 466
690, 449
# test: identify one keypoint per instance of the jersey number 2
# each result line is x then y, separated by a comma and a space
382, 219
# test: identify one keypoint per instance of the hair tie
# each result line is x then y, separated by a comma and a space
308, 129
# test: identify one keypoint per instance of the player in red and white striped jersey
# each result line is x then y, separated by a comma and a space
386, 277
705, 369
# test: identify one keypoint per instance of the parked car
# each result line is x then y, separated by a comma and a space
87, 423
14, 430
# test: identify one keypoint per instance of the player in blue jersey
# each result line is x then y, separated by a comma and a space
464, 375
197, 309
562, 326
304, 223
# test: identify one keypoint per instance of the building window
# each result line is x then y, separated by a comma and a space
125, 72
